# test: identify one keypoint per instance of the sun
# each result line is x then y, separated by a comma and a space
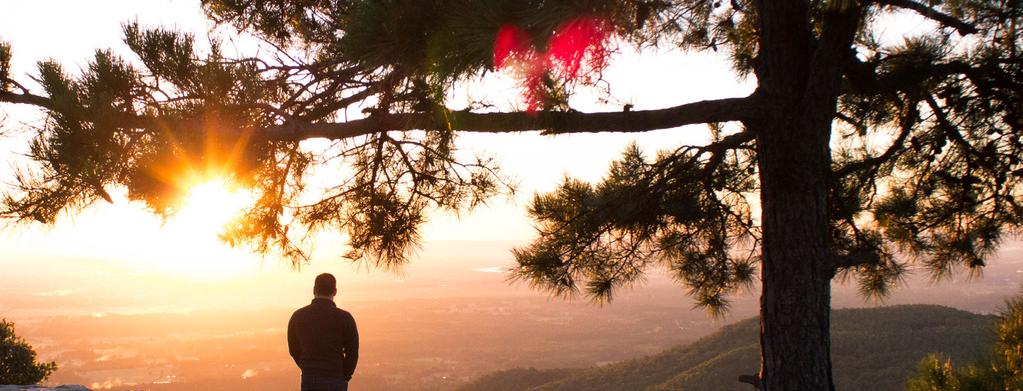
192, 234
209, 205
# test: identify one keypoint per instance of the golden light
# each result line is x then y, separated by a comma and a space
197, 252
209, 206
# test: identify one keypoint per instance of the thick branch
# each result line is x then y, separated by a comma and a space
785, 39
926, 11
26, 99
550, 122
828, 62
723, 110
863, 257
864, 79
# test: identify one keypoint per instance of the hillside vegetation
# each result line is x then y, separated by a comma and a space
872, 349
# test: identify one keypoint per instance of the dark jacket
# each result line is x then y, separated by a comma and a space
323, 339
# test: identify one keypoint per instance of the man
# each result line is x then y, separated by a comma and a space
323, 340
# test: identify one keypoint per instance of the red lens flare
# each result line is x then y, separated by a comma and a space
580, 48
577, 51
511, 42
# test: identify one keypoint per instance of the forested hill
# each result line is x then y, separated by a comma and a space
873, 349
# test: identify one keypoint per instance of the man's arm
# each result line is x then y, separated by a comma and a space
351, 349
294, 347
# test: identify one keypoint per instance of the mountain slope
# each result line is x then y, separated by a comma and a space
875, 349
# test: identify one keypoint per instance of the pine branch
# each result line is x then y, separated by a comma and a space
723, 110
962, 27
549, 122
887, 155
864, 79
863, 257
26, 99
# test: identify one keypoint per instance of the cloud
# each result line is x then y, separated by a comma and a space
108, 384
60, 293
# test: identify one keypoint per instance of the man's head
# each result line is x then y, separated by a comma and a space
325, 285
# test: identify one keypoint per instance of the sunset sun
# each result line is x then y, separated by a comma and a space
209, 205
193, 249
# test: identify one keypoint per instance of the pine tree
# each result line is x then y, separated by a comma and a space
1001, 370
941, 191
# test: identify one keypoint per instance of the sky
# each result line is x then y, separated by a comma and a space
124, 233
125, 238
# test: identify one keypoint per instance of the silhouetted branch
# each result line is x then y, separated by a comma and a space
865, 80
858, 258
26, 99
550, 122
873, 161
926, 11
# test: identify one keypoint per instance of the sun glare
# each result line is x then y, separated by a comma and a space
199, 253
209, 206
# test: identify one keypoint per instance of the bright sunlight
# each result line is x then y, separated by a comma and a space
199, 253
208, 206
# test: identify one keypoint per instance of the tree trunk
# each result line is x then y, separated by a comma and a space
794, 159
799, 79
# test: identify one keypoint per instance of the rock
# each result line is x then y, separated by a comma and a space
36, 387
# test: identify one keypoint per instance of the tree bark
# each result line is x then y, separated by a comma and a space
799, 79
796, 273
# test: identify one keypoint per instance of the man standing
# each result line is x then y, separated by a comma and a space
323, 340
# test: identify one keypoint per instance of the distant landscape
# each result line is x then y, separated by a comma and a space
872, 348
454, 321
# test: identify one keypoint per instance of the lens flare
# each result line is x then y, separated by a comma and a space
577, 52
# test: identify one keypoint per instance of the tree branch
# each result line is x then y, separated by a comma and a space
550, 122
864, 79
840, 23
26, 99
924, 10
907, 121
863, 257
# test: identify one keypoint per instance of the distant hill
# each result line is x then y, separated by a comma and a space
872, 349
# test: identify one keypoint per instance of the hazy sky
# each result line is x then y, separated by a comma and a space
70, 31
125, 237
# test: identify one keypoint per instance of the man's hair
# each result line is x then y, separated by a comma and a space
325, 285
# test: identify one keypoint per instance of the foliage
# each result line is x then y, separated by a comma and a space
1002, 369
642, 213
18, 360
874, 349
